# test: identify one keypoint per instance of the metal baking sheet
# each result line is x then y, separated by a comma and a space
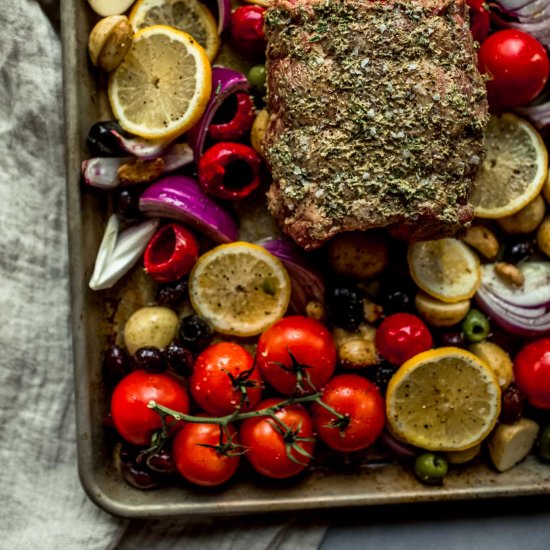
85, 102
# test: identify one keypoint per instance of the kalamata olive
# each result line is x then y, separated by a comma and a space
127, 204
161, 462
101, 142
150, 359
179, 359
512, 405
382, 375
115, 364
518, 250
171, 294
397, 448
397, 296
453, 338
345, 307
139, 476
195, 333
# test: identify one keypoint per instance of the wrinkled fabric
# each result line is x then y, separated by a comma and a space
43, 504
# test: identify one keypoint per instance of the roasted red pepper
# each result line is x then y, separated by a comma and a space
247, 30
233, 119
229, 170
171, 253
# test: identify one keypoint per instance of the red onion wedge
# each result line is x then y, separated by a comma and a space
224, 14
307, 283
119, 251
102, 172
141, 147
523, 311
182, 198
538, 115
531, 17
224, 83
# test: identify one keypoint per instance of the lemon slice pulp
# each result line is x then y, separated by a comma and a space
240, 288
189, 16
514, 170
162, 87
445, 399
446, 269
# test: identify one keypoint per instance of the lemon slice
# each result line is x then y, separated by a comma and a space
446, 269
443, 400
162, 87
240, 288
514, 169
189, 16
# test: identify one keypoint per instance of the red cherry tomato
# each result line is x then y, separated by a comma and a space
532, 372
296, 347
517, 65
224, 376
205, 466
171, 253
247, 30
480, 19
402, 336
363, 407
133, 420
268, 449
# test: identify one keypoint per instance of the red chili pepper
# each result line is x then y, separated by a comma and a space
480, 19
229, 170
247, 30
171, 253
242, 120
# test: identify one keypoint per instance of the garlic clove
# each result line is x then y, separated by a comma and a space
110, 41
110, 7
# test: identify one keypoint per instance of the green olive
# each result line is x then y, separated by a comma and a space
430, 468
476, 326
257, 76
544, 443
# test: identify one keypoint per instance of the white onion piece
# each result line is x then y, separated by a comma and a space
119, 251
534, 293
141, 147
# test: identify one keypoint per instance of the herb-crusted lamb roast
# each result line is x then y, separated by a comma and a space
377, 116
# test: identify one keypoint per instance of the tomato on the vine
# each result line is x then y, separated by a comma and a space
278, 448
204, 455
224, 378
402, 336
296, 351
133, 420
362, 407
532, 372
517, 65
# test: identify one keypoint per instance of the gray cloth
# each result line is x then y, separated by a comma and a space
43, 505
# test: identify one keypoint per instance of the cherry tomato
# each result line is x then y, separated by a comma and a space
532, 372
296, 349
206, 466
247, 30
518, 67
269, 446
362, 406
224, 376
480, 19
402, 336
133, 420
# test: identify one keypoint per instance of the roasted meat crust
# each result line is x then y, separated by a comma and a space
377, 117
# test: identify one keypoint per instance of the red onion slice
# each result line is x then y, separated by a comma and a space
307, 283
102, 172
224, 14
225, 82
182, 198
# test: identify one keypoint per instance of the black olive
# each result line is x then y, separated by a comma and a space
518, 250
101, 142
452, 338
345, 307
512, 404
127, 205
397, 296
382, 376
150, 359
195, 333
171, 294
179, 359
115, 364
